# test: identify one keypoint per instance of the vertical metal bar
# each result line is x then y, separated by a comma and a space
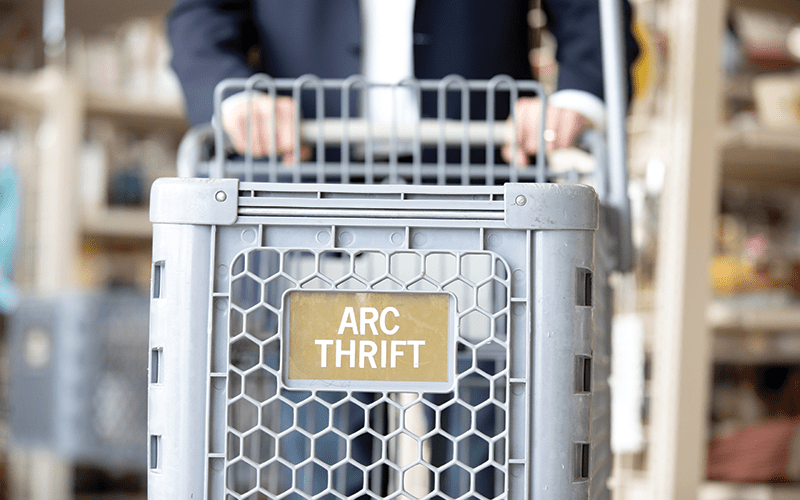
416, 141
298, 105
216, 170
273, 154
462, 84
513, 170
417, 144
347, 87
441, 113
248, 152
297, 93
53, 28
490, 103
594, 142
393, 135
465, 119
369, 146
491, 93
541, 167
616, 98
320, 111
344, 147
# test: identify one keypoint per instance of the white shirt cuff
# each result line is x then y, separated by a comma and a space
585, 103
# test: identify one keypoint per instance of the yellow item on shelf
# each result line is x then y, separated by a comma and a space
644, 68
734, 275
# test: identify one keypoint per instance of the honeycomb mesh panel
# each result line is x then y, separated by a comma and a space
288, 443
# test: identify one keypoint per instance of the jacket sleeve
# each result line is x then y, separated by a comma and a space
576, 26
210, 40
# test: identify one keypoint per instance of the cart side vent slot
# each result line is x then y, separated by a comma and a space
155, 452
155, 365
583, 374
582, 461
584, 287
158, 279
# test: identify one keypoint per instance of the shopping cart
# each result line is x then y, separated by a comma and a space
426, 334
77, 379
402, 316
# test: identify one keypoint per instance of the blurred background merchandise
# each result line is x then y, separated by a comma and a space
86, 126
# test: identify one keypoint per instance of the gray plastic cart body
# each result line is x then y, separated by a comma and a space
519, 266
522, 411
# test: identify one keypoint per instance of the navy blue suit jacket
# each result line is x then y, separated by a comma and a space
477, 39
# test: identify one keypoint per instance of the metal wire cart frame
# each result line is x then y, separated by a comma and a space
403, 316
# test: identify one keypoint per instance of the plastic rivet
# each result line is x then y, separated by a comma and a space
521, 200
220, 196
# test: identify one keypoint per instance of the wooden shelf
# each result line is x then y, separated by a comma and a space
634, 488
137, 112
118, 222
785, 7
713, 490
761, 155
755, 335
30, 92
724, 317
22, 91
739, 87
755, 348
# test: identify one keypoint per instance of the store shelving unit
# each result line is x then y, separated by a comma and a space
692, 330
65, 105
62, 106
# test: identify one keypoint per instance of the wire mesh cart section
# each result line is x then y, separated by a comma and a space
381, 322
78, 375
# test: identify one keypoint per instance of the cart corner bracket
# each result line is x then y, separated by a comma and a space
194, 201
551, 206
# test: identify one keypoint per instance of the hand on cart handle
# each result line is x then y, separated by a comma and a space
563, 128
234, 121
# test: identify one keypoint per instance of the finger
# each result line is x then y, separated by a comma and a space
238, 131
507, 154
523, 106
528, 131
284, 118
305, 151
232, 124
555, 131
259, 125
266, 133
270, 136
568, 126
568, 130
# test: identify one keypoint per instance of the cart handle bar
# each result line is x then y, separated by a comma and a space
429, 132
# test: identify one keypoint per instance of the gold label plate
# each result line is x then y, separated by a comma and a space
369, 340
